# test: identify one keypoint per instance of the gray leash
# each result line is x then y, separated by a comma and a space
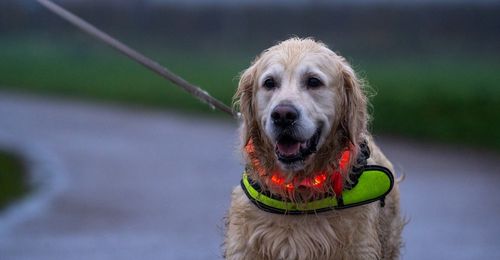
138, 57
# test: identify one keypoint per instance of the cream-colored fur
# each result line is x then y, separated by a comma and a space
364, 232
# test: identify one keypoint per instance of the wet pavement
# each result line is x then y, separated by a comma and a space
129, 183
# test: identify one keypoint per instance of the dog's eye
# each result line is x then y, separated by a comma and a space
313, 82
269, 84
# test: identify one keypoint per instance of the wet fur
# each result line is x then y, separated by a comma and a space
365, 232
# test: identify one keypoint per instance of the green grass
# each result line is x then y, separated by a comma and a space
100, 73
12, 179
445, 98
450, 100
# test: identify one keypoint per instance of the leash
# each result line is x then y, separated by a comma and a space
361, 193
138, 57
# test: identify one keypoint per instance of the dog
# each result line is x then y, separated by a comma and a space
303, 134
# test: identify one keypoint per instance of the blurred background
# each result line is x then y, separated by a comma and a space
435, 62
433, 67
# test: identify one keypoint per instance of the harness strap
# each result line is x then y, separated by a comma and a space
373, 184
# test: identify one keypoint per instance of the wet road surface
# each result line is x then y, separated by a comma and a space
122, 183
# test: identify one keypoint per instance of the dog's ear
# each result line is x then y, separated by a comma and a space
354, 108
243, 99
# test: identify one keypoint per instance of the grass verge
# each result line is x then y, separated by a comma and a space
13, 185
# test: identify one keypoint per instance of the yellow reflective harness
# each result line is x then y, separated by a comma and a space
374, 182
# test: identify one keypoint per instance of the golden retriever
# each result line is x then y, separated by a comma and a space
302, 105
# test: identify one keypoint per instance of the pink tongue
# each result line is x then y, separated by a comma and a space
289, 149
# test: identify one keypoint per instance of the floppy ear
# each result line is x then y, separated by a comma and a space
243, 101
354, 110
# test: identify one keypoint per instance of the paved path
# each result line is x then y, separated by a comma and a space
123, 183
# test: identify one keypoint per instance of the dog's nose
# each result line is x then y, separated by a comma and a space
284, 115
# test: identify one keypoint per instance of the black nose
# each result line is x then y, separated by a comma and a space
284, 115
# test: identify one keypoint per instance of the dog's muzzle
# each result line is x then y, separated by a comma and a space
291, 145
289, 149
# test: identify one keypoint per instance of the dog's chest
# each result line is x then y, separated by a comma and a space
291, 237
323, 236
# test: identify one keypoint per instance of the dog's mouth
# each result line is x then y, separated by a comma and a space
290, 150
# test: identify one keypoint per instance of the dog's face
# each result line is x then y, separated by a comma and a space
295, 103
295, 95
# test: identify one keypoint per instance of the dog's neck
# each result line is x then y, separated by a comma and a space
318, 191
298, 187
